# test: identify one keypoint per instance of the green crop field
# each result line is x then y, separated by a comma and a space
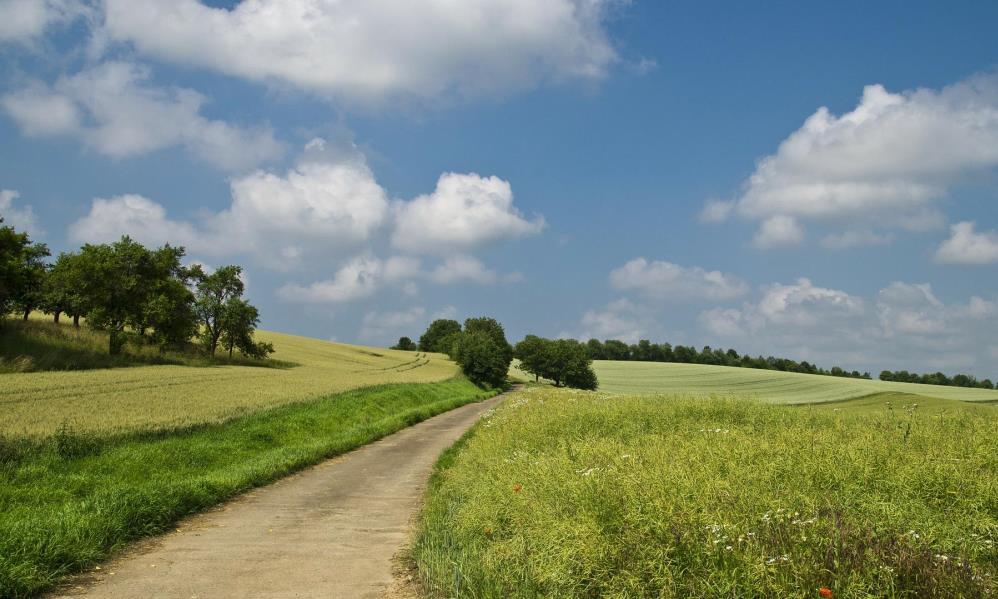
169, 396
766, 385
562, 493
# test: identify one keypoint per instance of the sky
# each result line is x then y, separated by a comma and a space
803, 179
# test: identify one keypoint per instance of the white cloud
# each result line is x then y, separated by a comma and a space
114, 109
890, 159
464, 211
778, 231
904, 326
715, 211
463, 268
22, 219
25, 20
388, 326
370, 50
360, 278
138, 217
619, 319
325, 204
966, 246
668, 281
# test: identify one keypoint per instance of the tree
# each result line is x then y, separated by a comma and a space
492, 328
238, 324
63, 288
531, 352
566, 362
212, 294
595, 349
22, 271
405, 344
482, 360
118, 281
433, 339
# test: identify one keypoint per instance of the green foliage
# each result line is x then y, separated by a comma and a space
213, 293
405, 344
433, 340
482, 360
69, 501
572, 494
563, 361
22, 271
936, 378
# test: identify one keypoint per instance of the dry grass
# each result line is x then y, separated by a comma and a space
167, 396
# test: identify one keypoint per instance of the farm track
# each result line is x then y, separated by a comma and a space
329, 531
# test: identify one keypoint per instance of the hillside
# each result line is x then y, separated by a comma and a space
767, 385
169, 396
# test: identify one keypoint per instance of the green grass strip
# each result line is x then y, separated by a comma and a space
68, 503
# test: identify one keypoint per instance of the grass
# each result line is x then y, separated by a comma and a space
768, 385
68, 501
164, 397
573, 494
40, 345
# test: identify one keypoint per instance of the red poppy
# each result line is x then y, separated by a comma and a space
517, 488
825, 592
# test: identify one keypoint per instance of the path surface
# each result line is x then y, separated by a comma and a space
329, 531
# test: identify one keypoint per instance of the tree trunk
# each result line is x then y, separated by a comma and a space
27, 311
230, 351
76, 320
55, 316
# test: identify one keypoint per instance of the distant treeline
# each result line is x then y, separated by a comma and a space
646, 351
936, 378
132, 292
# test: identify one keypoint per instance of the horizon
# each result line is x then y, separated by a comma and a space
809, 182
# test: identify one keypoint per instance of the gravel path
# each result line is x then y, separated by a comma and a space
328, 531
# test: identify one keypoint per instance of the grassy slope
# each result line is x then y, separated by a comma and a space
563, 493
767, 385
68, 501
169, 396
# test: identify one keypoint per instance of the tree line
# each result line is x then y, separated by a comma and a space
131, 292
936, 378
481, 349
646, 351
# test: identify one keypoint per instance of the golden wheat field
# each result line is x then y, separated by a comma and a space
163, 397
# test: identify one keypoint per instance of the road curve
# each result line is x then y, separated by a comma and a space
328, 531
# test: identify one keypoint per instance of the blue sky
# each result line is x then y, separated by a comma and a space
816, 180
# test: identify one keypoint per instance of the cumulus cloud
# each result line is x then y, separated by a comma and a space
668, 281
467, 268
326, 203
22, 219
620, 319
368, 50
387, 326
892, 158
26, 20
464, 211
857, 238
360, 278
967, 246
138, 217
114, 109
903, 326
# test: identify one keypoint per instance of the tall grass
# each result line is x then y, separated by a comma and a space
574, 494
69, 500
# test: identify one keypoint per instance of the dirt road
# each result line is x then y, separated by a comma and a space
329, 531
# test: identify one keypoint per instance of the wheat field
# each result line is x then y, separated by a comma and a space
766, 385
166, 396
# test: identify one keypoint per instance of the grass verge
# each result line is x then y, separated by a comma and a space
68, 501
574, 494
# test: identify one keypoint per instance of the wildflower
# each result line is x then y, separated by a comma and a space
488, 531
517, 488
825, 592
